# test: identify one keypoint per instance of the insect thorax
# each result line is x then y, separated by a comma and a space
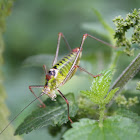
51, 78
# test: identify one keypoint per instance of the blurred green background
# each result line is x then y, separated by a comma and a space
31, 39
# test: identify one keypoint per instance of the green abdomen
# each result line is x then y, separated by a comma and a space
63, 67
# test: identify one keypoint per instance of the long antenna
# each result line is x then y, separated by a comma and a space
20, 113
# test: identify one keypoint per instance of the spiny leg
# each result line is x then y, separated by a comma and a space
66, 102
58, 46
82, 69
37, 86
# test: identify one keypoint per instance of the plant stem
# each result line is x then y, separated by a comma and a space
127, 74
115, 57
101, 112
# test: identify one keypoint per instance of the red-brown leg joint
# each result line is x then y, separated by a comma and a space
97, 75
42, 105
70, 120
30, 88
67, 101
76, 66
85, 36
60, 33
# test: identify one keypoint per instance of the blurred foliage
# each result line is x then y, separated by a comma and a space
108, 29
121, 100
132, 20
5, 9
138, 86
129, 114
87, 108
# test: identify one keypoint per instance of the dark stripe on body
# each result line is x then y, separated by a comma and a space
65, 64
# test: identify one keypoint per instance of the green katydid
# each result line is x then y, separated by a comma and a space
60, 73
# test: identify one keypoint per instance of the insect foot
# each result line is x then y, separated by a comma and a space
60, 34
97, 75
42, 106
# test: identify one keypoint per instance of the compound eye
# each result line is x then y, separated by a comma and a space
52, 72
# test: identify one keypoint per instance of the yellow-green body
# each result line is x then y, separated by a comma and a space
61, 70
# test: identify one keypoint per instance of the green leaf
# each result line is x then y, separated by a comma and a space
114, 128
100, 87
101, 84
55, 113
110, 95
129, 114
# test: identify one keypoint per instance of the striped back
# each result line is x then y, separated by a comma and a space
63, 67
